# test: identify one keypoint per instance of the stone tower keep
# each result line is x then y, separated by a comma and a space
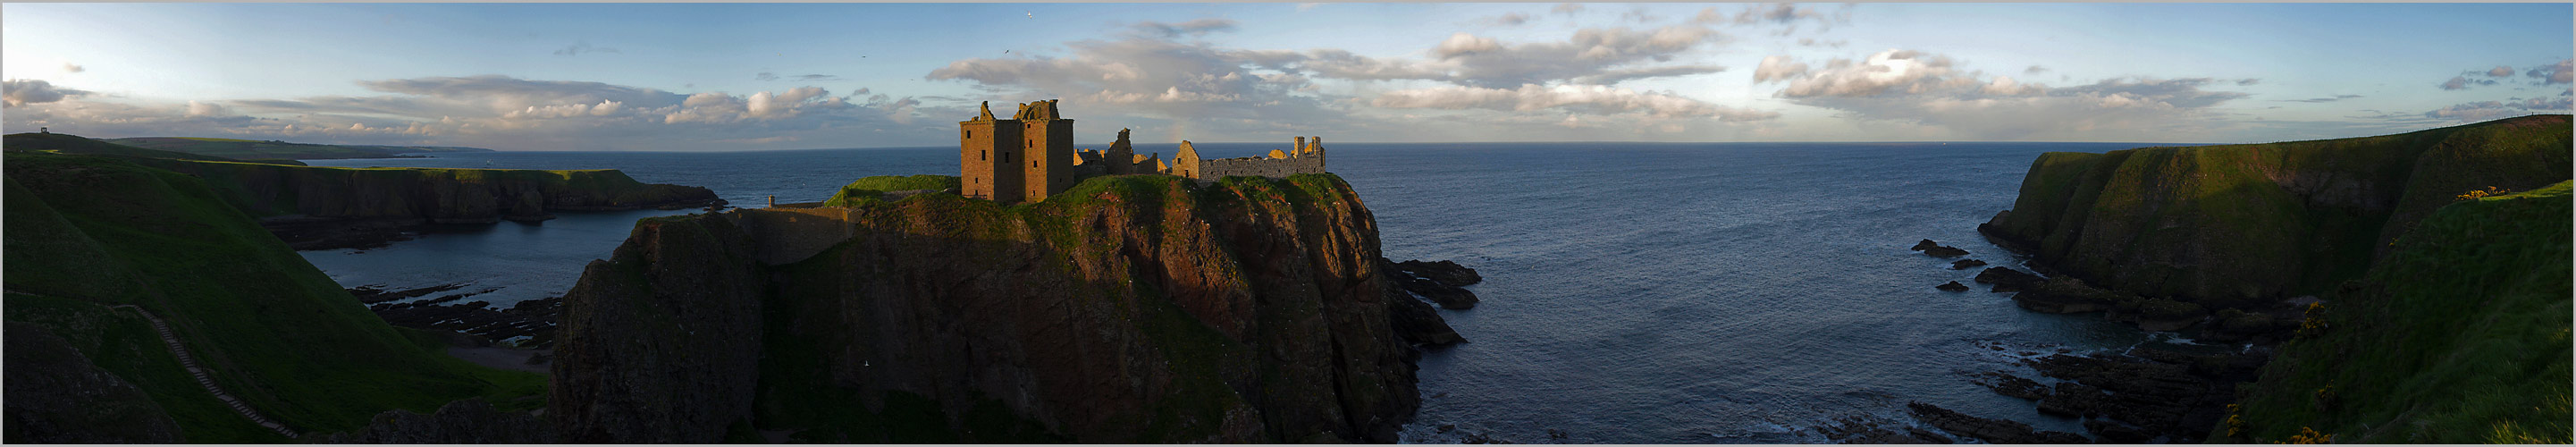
989, 156
1047, 140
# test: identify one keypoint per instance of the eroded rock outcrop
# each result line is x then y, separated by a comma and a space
1128, 309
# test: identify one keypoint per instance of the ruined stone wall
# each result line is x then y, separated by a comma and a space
1259, 166
1305, 158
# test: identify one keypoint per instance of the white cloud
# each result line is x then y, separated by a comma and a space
198, 108
1195, 27
577, 48
1776, 68
2557, 73
1507, 19
2487, 110
495, 111
19, 92
1566, 8
1586, 98
1915, 87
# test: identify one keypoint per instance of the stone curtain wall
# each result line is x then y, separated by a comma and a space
1259, 166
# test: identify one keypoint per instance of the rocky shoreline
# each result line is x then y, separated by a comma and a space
480, 325
2145, 394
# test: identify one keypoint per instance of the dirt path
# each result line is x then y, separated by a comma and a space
203, 379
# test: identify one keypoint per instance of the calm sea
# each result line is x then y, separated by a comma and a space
1634, 292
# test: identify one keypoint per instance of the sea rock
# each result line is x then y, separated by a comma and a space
1937, 250
1134, 309
1953, 286
1413, 319
1966, 263
2015, 386
1992, 431
1873, 430
1441, 282
2161, 393
1447, 273
469, 421
2006, 279
56, 396
2164, 315
2067, 296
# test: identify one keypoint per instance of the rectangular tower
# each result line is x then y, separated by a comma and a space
989, 156
1047, 139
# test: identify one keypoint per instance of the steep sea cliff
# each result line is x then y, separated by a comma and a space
1129, 309
2458, 336
2439, 312
2242, 225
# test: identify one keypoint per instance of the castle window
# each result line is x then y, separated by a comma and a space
970, 134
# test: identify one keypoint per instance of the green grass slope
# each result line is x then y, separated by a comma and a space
872, 188
255, 149
87, 232
2458, 336
2232, 225
435, 193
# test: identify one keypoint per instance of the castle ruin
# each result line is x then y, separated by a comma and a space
1031, 156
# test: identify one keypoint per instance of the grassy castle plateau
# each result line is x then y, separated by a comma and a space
1156, 308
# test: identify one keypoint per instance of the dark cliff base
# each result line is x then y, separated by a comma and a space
1131, 309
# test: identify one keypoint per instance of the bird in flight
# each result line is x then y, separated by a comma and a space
1031, 14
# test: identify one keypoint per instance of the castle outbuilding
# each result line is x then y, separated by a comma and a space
1031, 156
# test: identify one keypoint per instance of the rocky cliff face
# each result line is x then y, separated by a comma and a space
308, 206
2235, 225
1129, 309
2458, 336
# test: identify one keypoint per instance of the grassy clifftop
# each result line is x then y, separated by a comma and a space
72, 144
447, 195
87, 232
2232, 225
2458, 336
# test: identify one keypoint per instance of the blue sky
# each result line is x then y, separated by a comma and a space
778, 76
